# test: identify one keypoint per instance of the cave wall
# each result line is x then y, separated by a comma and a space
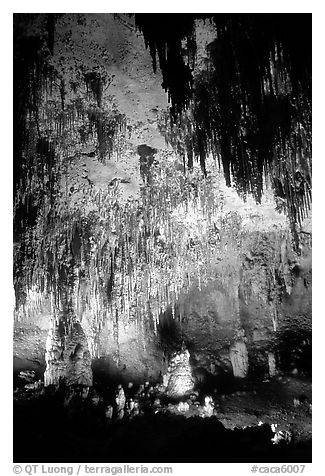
270, 310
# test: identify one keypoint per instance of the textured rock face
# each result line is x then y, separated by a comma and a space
55, 364
180, 380
67, 357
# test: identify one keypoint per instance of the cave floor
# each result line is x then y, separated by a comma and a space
271, 402
44, 431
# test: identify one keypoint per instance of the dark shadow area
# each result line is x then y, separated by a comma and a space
147, 156
295, 351
47, 429
34, 366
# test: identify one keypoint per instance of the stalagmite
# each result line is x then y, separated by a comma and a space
183, 407
165, 379
120, 402
208, 407
272, 364
79, 367
181, 380
109, 412
84, 392
239, 359
67, 357
56, 368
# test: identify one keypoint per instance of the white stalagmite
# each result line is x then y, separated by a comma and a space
239, 359
272, 364
181, 380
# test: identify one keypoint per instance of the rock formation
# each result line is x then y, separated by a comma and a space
162, 201
67, 357
127, 234
239, 359
181, 380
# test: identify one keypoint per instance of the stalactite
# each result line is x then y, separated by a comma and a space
251, 99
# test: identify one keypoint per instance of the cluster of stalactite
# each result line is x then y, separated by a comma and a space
54, 110
250, 106
109, 261
54, 122
127, 261
163, 34
97, 255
